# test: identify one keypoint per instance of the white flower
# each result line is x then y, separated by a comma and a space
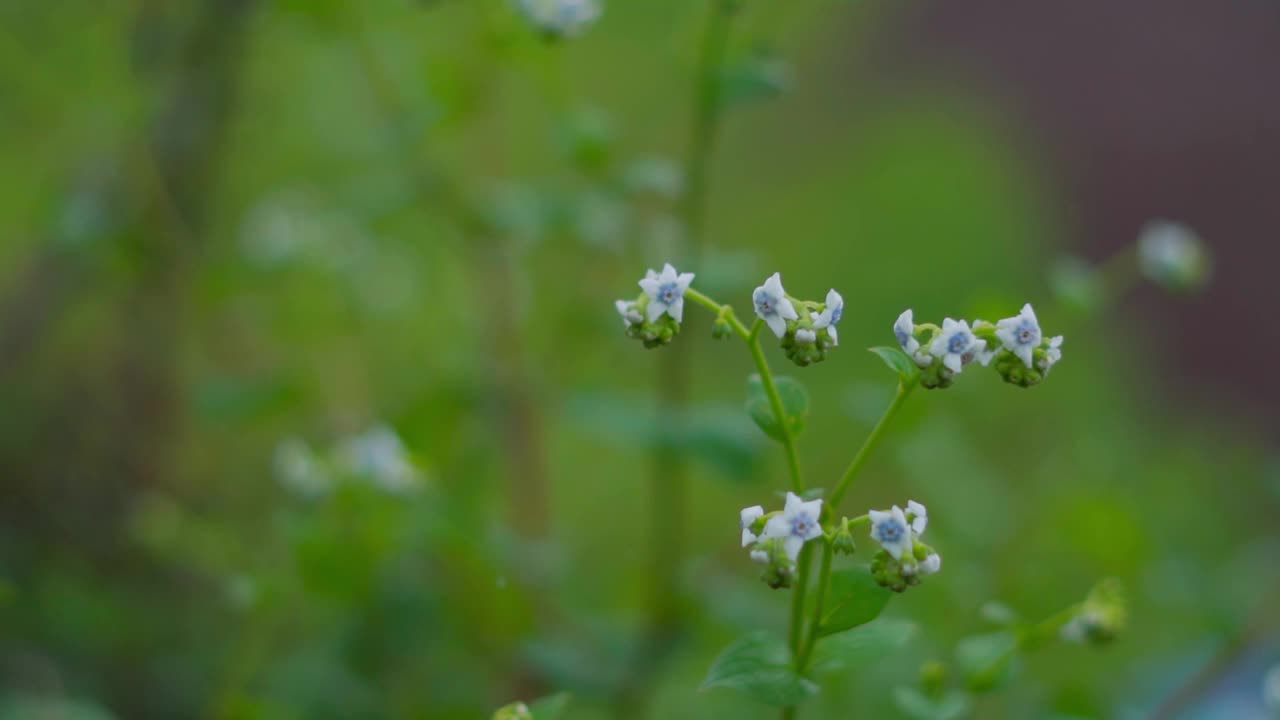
560, 17
987, 353
630, 315
380, 456
904, 330
890, 529
1172, 254
796, 524
1020, 334
932, 563
919, 517
830, 315
956, 344
748, 516
297, 468
1052, 354
772, 305
760, 556
806, 337
666, 292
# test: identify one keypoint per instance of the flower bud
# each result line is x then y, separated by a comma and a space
1102, 616
721, 328
842, 540
893, 574
780, 569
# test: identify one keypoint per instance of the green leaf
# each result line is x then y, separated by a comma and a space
795, 405
759, 665
854, 599
550, 707
898, 362
985, 659
861, 645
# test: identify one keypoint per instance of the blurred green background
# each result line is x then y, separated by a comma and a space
314, 404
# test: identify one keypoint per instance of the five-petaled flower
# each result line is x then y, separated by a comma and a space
1020, 334
1052, 354
666, 292
919, 517
796, 524
772, 305
890, 529
747, 518
630, 315
831, 313
956, 345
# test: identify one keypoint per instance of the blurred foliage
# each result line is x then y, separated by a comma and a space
416, 215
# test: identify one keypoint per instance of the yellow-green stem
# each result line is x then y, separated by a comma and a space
904, 391
824, 577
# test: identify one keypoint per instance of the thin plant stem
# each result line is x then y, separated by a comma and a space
798, 593
904, 391
824, 577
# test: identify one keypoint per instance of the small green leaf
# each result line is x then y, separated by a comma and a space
550, 707
985, 659
759, 665
795, 405
861, 645
855, 599
898, 362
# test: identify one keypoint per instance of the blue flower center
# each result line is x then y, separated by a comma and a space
669, 292
764, 302
958, 343
801, 525
890, 531
1027, 334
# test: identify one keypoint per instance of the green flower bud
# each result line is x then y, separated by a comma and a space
721, 329
1102, 616
893, 574
842, 539
780, 569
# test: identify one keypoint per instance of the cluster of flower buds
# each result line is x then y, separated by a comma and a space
1102, 615
806, 328
1018, 348
902, 560
1172, 255
655, 316
777, 537
559, 18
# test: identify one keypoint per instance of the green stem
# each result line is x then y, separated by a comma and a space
797, 597
824, 577
904, 391
706, 121
752, 339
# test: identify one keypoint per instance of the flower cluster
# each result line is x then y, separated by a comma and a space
806, 328
1016, 345
559, 18
377, 456
655, 316
1102, 615
902, 560
777, 537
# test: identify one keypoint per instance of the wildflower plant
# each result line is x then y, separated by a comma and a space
833, 630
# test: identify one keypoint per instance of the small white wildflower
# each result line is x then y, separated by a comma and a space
1271, 690
806, 337
796, 524
956, 345
1052, 354
630, 315
919, 517
666, 292
890, 529
380, 456
830, 315
904, 330
1172, 254
297, 468
560, 17
760, 556
931, 564
1020, 334
772, 305
748, 516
